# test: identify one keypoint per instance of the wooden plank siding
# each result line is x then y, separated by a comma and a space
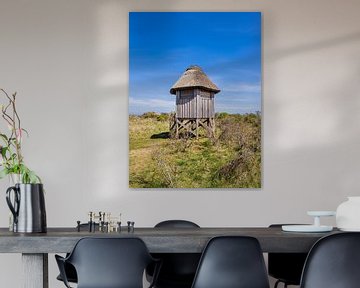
194, 104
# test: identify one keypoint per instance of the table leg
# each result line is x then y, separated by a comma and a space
35, 270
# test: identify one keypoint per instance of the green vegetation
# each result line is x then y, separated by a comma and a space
232, 159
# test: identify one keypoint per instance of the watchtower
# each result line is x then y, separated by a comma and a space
195, 95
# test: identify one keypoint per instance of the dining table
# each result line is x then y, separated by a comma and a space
35, 247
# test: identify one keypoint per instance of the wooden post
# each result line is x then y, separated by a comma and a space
177, 129
197, 128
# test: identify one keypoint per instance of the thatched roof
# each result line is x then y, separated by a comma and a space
194, 77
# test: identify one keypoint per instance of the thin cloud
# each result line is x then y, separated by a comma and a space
235, 109
243, 88
139, 106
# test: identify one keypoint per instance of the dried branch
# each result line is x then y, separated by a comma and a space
11, 155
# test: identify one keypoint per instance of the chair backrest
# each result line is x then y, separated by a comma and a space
232, 262
110, 262
286, 267
333, 262
176, 224
178, 269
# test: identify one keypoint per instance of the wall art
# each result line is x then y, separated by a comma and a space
195, 99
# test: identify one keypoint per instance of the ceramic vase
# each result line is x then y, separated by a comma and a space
348, 214
27, 204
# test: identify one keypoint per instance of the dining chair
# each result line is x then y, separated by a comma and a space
69, 269
178, 269
108, 263
285, 267
333, 262
232, 262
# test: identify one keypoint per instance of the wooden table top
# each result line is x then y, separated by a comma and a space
158, 240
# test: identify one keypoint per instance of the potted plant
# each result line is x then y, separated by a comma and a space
26, 198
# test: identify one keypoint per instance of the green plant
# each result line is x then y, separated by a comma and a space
12, 161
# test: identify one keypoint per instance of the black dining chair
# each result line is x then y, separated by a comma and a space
108, 263
232, 262
333, 262
286, 267
70, 271
178, 269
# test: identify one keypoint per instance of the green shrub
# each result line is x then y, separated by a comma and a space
150, 115
162, 117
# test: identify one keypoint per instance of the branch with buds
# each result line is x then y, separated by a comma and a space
12, 160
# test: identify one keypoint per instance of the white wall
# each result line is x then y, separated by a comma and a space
68, 61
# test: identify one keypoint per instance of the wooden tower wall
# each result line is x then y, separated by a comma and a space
194, 104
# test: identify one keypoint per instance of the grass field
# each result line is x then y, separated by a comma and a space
231, 159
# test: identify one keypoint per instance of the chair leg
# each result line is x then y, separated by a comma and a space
278, 282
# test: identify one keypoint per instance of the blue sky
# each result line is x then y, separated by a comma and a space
226, 45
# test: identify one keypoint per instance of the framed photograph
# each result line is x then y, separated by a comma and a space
195, 99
